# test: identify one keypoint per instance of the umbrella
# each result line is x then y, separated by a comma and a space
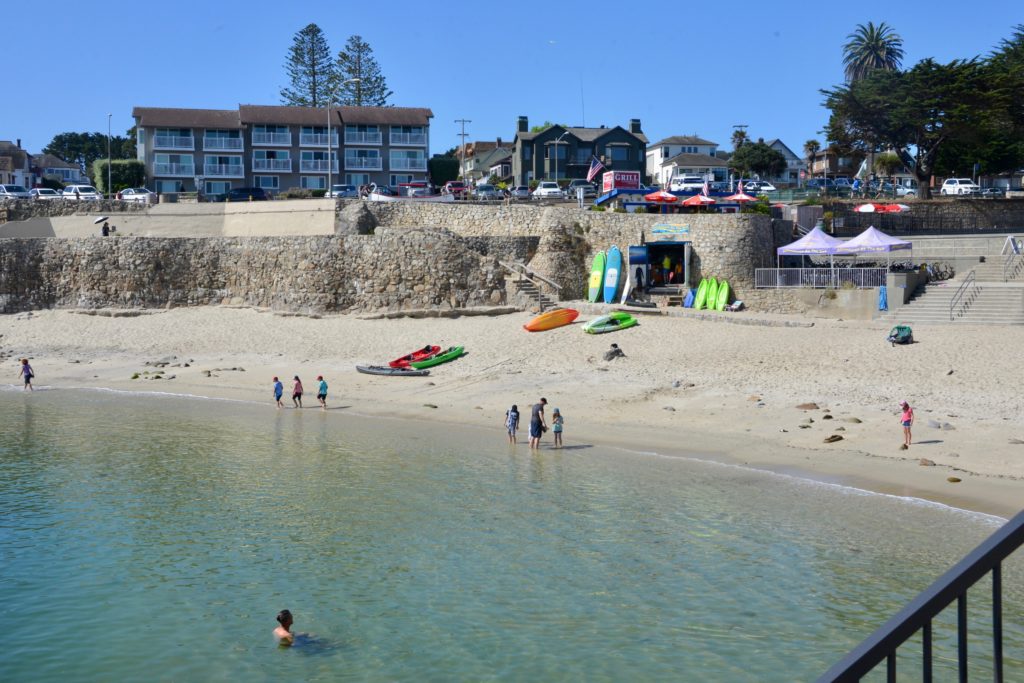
866, 208
698, 200
100, 220
882, 208
740, 197
661, 196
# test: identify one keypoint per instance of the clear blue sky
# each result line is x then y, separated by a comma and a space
682, 68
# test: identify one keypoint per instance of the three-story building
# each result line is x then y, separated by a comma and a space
278, 147
559, 152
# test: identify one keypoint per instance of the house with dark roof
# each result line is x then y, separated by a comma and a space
15, 167
279, 147
478, 158
50, 166
560, 152
684, 155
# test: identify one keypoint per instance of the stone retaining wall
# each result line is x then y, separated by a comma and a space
405, 270
24, 209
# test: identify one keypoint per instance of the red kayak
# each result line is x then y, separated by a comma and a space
426, 352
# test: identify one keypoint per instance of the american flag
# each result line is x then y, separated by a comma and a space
739, 190
706, 191
595, 168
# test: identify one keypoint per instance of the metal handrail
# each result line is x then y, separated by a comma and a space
961, 291
1011, 262
918, 615
522, 268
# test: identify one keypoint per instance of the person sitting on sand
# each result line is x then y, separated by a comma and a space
512, 422
297, 392
278, 392
907, 420
283, 633
321, 391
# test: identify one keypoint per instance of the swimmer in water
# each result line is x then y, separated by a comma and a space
283, 633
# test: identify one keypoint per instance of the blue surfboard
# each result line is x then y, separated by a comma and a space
612, 274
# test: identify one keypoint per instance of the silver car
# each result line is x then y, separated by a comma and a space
138, 195
519, 192
82, 192
487, 192
349, 191
44, 193
13, 192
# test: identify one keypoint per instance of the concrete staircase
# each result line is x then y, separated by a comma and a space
988, 301
528, 289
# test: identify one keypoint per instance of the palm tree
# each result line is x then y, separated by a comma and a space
811, 148
739, 138
872, 47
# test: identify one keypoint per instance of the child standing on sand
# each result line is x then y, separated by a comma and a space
297, 392
27, 374
321, 391
512, 422
907, 420
557, 420
278, 392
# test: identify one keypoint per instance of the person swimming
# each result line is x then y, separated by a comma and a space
283, 633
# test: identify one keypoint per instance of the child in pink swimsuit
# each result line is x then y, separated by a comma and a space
907, 420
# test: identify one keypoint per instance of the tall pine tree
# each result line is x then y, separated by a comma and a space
310, 70
355, 61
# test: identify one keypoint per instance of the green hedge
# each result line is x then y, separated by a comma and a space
123, 173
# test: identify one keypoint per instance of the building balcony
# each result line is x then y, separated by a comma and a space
412, 139
363, 164
284, 165
317, 140
224, 171
278, 139
179, 170
174, 142
222, 144
357, 138
402, 164
318, 166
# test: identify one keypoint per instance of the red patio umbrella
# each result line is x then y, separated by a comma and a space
661, 197
698, 200
740, 197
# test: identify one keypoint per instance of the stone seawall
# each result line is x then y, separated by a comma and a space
394, 271
25, 209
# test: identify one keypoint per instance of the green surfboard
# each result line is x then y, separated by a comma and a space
712, 293
723, 296
702, 294
596, 278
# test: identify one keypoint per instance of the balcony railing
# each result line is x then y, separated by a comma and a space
317, 165
419, 139
363, 163
224, 170
357, 138
174, 141
406, 164
818, 278
284, 139
272, 165
317, 139
187, 170
222, 144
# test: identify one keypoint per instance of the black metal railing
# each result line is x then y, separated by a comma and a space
881, 645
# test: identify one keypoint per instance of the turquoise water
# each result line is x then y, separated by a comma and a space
155, 538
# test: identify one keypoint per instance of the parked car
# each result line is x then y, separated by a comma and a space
959, 186
349, 191
686, 183
548, 189
906, 189
589, 190
487, 192
881, 186
457, 188
44, 193
821, 184
246, 194
139, 195
993, 192
13, 192
519, 192
82, 192
758, 187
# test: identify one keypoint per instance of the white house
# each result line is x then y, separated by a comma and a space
684, 155
794, 164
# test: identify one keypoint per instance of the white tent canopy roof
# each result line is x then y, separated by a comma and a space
872, 241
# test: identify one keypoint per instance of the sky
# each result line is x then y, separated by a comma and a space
681, 68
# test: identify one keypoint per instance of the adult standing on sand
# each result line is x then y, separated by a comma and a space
537, 424
278, 392
27, 374
907, 420
297, 392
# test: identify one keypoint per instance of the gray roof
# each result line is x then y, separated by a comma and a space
186, 118
777, 141
44, 160
585, 134
684, 140
695, 160
315, 116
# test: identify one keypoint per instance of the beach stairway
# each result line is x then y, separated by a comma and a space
986, 302
531, 291
530, 284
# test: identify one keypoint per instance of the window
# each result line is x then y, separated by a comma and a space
583, 155
408, 160
313, 182
560, 154
664, 152
267, 154
267, 182
140, 135
170, 186
397, 178
217, 187
357, 178
618, 153
527, 152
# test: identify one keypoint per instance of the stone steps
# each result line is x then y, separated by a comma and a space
530, 290
987, 303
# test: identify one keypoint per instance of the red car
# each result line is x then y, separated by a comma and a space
457, 188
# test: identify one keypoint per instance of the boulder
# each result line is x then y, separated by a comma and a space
807, 406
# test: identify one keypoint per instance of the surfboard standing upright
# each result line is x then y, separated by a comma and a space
612, 274
596, 278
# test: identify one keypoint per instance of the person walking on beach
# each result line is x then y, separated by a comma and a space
512, 422
297, 392
556, 427
907, 420
283, 632
27, 374
278, 392
537, 423
321, 391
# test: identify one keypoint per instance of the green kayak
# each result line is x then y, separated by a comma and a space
618, 320
450, 354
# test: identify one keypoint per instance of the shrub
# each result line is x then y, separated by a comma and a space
123, 173
296, 193
597, 208
319, 193
619, 209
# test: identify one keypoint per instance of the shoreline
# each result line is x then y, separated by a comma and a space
717, 410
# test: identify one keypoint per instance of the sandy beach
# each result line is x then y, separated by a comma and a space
709, 389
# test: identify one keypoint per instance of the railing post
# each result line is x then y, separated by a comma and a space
961, 636
997, 623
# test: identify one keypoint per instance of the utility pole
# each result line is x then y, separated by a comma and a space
462, 158
743, 128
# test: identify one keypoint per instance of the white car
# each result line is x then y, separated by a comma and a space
82, 192
139, 195
13, 192
686, 183
548, 189
44, 193
959, 186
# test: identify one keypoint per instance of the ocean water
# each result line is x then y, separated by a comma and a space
147, 538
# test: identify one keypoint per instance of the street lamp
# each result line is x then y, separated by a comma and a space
330, 167
557, 140
110, 188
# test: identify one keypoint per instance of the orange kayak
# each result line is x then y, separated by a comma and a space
551, 320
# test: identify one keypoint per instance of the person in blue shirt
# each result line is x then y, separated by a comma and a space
278, 392
856, 187
321, 391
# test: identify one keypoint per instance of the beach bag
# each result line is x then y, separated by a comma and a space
688, 301
901, 334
